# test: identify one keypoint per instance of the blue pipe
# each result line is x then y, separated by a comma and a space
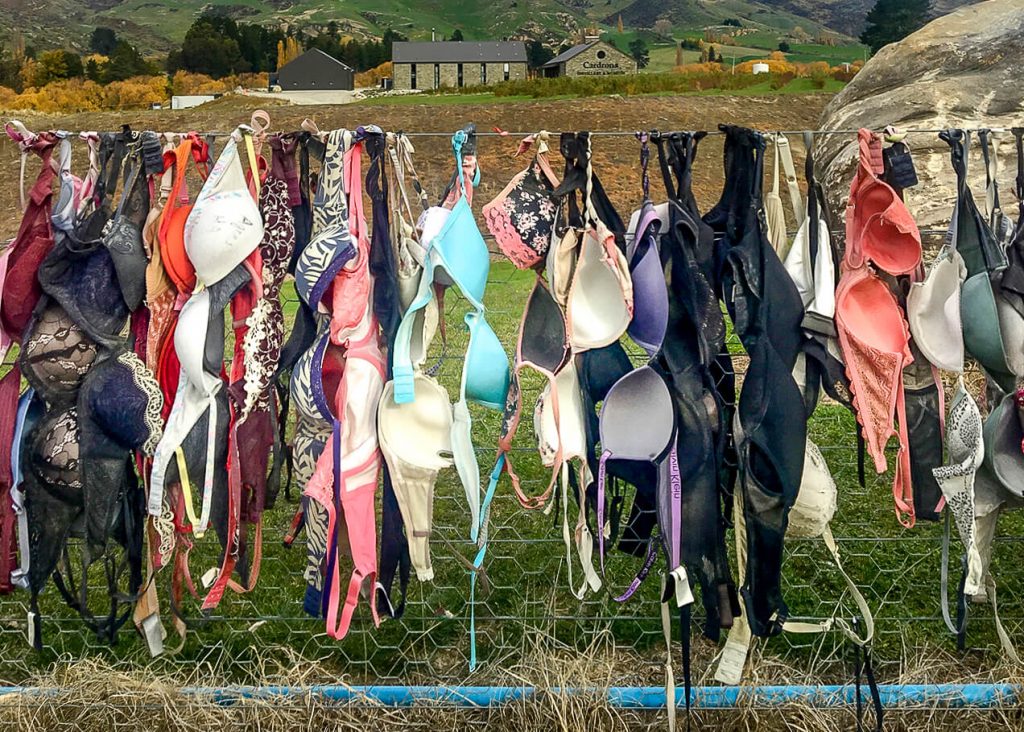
948, 696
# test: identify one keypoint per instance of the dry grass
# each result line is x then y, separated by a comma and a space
92, 695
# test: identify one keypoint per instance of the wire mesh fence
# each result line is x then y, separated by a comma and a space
897, 569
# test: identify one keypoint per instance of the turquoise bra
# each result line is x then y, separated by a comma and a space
459, 251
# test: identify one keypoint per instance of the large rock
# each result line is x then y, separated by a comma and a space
966, 70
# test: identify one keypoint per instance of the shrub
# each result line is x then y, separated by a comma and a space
372, 77
7, 97
138, 92
775, 66
78, 95
780, 80
187, 82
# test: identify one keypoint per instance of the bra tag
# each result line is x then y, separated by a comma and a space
684, 596
730, 667
208, 577
32, 620
154, 633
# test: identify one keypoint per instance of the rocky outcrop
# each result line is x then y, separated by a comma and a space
966, 70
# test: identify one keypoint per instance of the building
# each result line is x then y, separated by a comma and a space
314, 71
455, 64
591, 58
187, 101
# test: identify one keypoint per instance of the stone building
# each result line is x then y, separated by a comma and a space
592, 58
455, 64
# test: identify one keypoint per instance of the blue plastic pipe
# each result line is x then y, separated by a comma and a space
949, 696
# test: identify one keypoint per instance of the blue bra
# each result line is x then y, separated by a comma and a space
460, 253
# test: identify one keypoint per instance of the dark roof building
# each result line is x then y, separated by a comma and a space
315, 71
593, 58
456, 64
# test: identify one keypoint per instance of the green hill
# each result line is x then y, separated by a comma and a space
155, 26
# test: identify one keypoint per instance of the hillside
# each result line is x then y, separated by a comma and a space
157, 25
847, 16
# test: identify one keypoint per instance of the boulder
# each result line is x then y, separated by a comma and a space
965, 69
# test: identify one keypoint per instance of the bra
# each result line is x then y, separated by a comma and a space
933, 311
33, 241
331, 246
225, 226
415, 439
874, 336
177, 211
457, 251
989, 322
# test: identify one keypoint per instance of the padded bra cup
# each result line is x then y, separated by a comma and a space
571, 430
485, 384
650, 300
173, 241
543, 332
885, 223
55, 457
596, 309
57, 354
464, 251
871, 316
637, 420
421, 429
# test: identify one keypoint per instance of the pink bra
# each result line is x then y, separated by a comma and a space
873, 331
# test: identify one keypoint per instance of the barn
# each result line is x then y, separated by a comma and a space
315, 71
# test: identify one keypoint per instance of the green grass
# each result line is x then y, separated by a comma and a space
897, 569
797, 86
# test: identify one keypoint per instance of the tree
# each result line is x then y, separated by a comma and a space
640, 53
663, 27
93, 68
679, 55
621, 28
10, 69
211, 47
784, 46
103, 41
892, 20
537, 54
457, 35
712, 58
124, 63
52, 66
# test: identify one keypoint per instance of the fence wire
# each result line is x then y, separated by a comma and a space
897, 570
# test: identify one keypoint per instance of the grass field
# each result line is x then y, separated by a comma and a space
797, 86
527, 576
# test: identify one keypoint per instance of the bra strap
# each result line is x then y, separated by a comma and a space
645, 159
1018, 135
784, 153
902, 486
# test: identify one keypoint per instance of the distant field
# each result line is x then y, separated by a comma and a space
797, 86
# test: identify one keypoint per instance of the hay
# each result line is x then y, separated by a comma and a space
92, 695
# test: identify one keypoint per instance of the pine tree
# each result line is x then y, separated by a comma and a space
280, 54
892, 20
679, 55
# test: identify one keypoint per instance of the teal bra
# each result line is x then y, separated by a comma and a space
460, 252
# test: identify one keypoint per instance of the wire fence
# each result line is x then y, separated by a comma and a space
897, 569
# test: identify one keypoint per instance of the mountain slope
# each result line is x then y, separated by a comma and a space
157, 25
847, 16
